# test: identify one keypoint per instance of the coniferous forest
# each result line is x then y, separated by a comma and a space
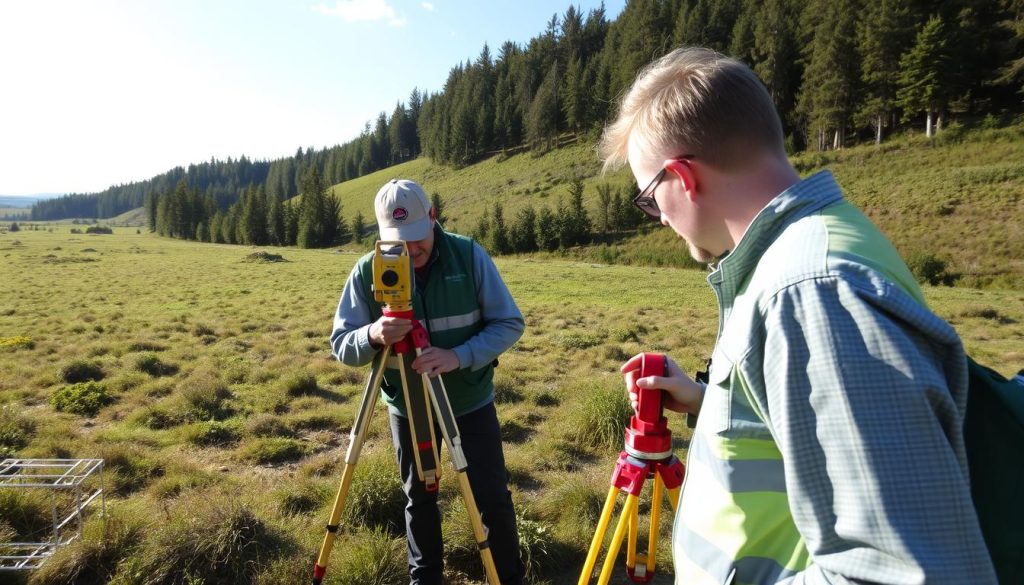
841, 72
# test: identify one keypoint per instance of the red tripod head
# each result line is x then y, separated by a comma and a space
647, 436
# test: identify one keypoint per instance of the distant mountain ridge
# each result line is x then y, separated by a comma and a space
25, 200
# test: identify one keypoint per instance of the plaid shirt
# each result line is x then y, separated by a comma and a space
860, 386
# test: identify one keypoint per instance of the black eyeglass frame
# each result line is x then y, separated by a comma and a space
644, 198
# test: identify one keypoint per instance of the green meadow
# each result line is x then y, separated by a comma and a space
201, 373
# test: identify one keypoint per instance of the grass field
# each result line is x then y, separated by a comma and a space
223, 418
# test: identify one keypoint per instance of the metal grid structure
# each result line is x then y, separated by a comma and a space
72, 485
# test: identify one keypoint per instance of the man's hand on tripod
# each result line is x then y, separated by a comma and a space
435, 361
388, 330
682, 394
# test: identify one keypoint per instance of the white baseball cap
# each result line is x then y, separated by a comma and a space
403, 211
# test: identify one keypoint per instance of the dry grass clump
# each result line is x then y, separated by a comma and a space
375, 497
80, 371
373, 557
302, 496
271, 450
15, 431
129, 468
601, 417
95, 557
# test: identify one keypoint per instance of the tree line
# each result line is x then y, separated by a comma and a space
839, 71
317, 220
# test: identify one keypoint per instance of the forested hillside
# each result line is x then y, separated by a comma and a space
841, 72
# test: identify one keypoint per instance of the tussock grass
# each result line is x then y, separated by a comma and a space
271, 450
375, 497
372, 557
601, 418
106, 545
15, 431
81, 371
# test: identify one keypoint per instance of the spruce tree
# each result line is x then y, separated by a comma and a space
547, 229
924, 81
882, 36
358, 227
499, 237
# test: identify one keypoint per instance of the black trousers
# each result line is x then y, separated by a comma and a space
488, 478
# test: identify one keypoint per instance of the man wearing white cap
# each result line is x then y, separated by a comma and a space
471, 318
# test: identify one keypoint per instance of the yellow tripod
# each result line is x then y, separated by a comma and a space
392, 276
647, 454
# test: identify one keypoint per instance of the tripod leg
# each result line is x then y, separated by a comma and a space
652, 539
355, 444
450, 431
629, 512
421, 423
595, 543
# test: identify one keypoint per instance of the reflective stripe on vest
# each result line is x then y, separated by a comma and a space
453, 322
734, 513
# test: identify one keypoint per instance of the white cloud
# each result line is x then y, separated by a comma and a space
427, 6
361, 10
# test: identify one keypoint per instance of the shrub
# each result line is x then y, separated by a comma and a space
85, 398
150, 364
579, 340
80, 371
927, 268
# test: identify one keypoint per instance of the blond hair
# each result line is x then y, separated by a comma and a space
695, 102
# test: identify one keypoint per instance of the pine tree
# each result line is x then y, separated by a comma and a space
882, 36
499, 237
604, 198
925, 74
547, 229
358, 227
523, 234
826, 100
438, 204
313, 213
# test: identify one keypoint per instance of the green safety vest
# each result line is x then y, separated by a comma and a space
450, 312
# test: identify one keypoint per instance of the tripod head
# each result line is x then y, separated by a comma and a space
392, 275
647, 436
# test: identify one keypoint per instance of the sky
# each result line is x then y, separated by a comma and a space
95, 93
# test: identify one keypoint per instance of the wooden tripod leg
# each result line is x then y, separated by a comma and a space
450, 432
356, 438
421, 423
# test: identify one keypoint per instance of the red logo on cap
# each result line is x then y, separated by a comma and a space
399, 214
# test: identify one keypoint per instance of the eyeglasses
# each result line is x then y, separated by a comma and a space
644, 198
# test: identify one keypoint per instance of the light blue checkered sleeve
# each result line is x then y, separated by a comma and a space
857, 392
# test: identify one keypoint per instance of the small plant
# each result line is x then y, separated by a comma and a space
374, 557
928, 268
300, 384
84, 398
80, 371
150, 364
15, 431
99, 229
17, 342
273, 450
264, 257
599, 423
579, 340
213, 434
302, 497
375, 497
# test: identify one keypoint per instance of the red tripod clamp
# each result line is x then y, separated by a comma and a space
416, 338
647, 436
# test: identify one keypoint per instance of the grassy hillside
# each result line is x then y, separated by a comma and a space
959, 198
223, 419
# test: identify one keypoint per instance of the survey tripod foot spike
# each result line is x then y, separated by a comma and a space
647, 455
425, 397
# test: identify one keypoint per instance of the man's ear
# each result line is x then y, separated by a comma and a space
684, 170
433, 214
